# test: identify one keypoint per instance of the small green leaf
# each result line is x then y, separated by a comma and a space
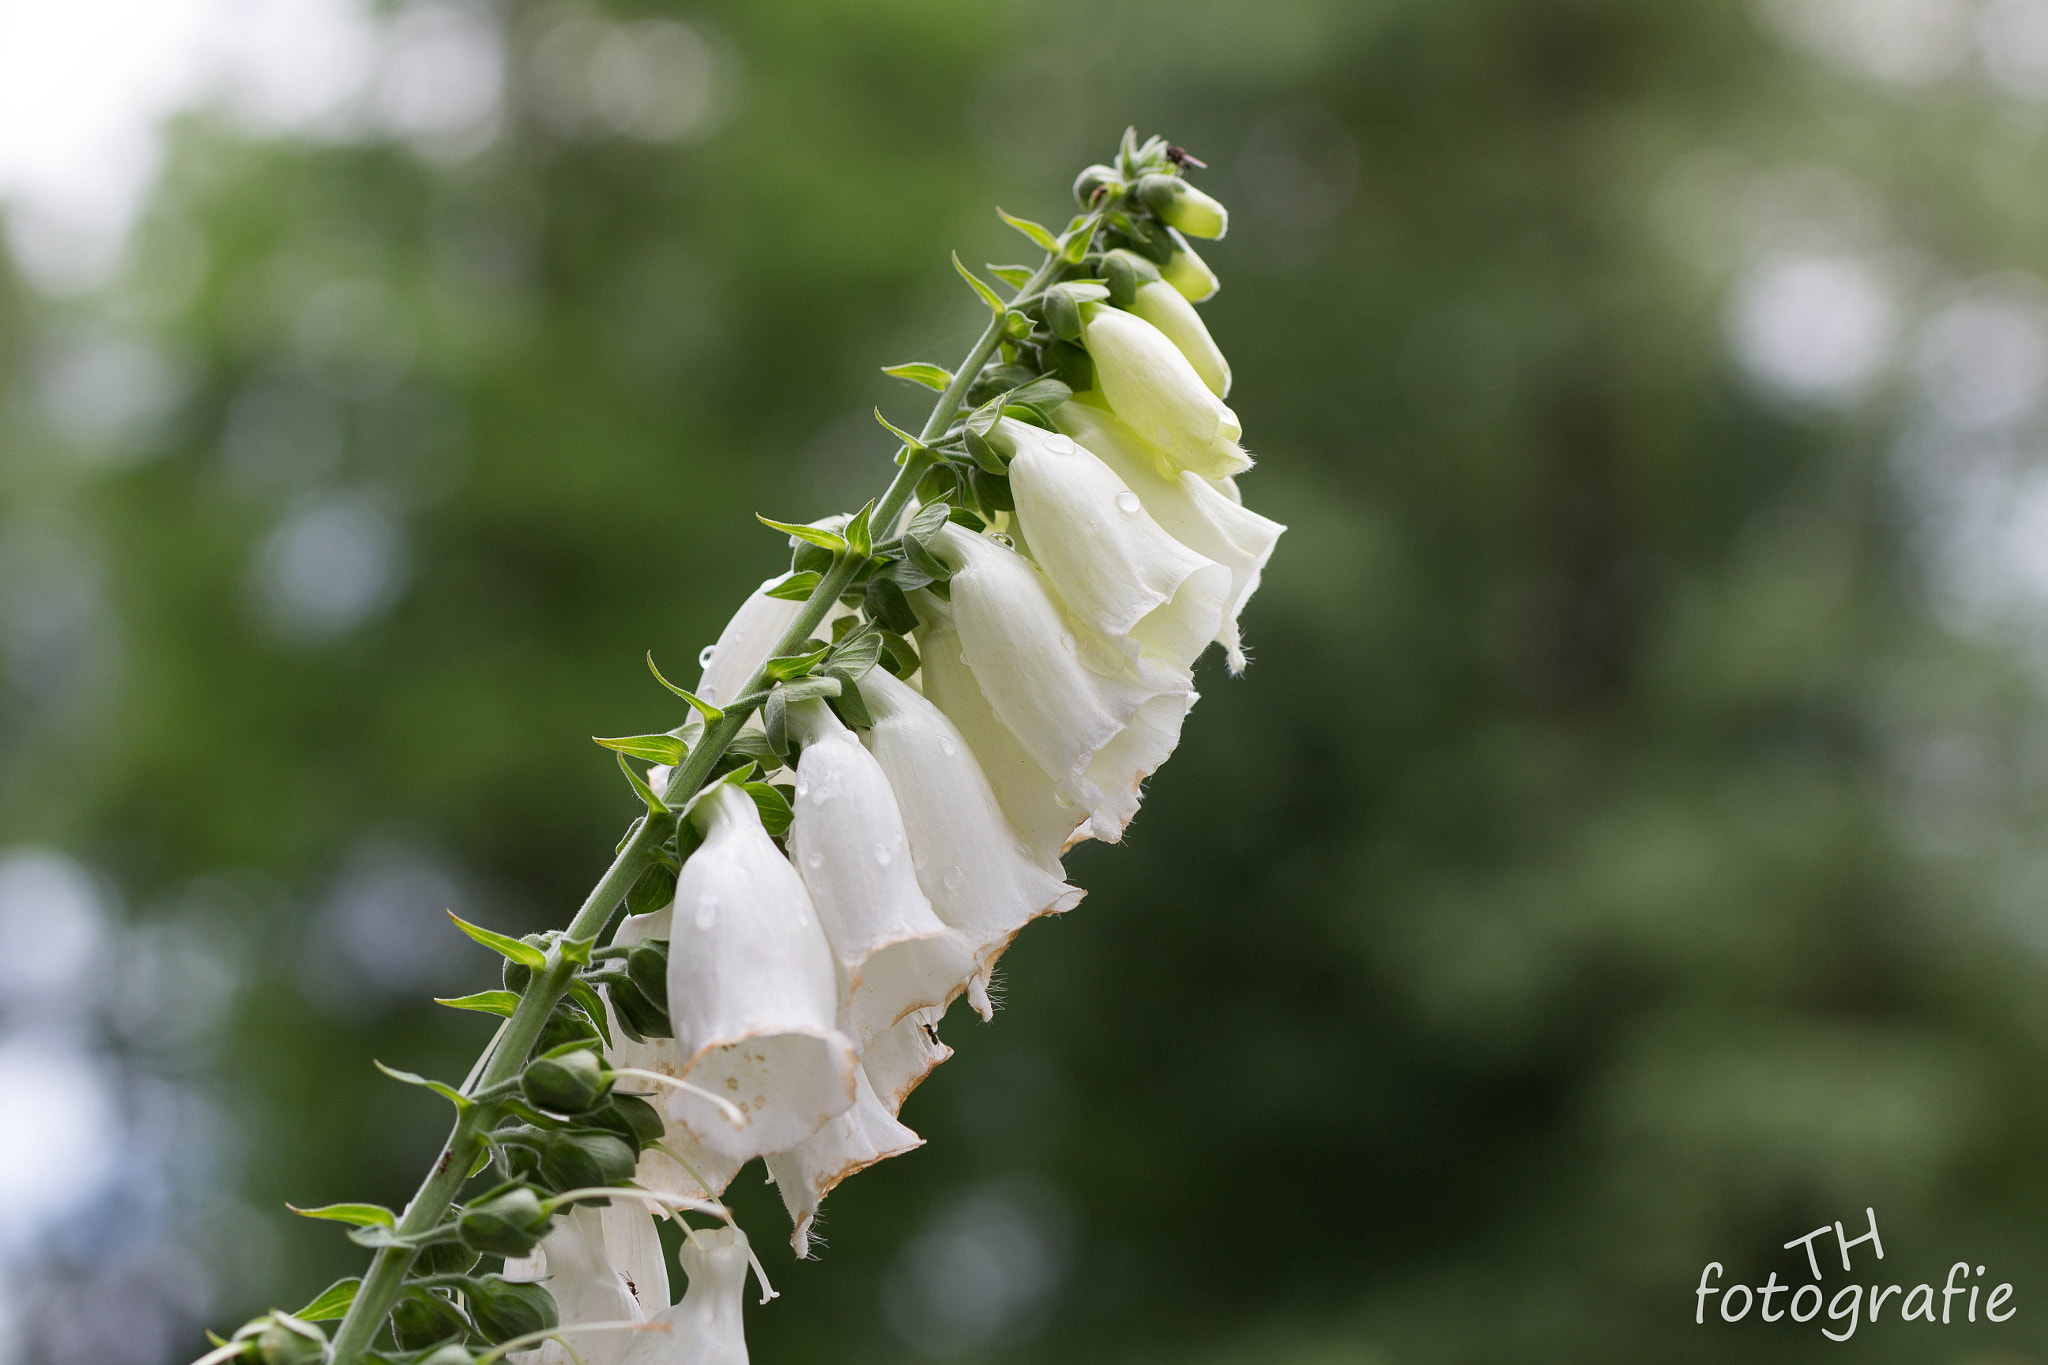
988, 295
926, 523
904, 574
899, 433
897, 655
446, 1092
362, 1215
795, 588
1016, 276
593, 1007
887, 607
374, 1237
776, 815
858, 538
852, 707
982, 418
484, 1002
985, 454
1032, 230
332, 1301
653, 748
577, 950
785, 667
931, 376
939, 484
775, 721
641, 789
712, 715
830, 540
1044, 393
814, 688
994, 491
925, 562
960, 516
525, 954
858, 654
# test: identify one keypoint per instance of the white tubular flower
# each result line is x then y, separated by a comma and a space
706, 1328
633, 1243
1040, 817
850, 848
1154, 388
578, 1269
1166, 308
1180, 205
1112, 564
1206, 516
1062, 689
1189, 273
753, 991
747, 642
979, 875
856, 1140
896, 1062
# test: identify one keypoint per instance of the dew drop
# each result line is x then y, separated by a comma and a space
814, 860
1068, 640
947, 746
803, 788
1128, 503
1060, 445
1023, 851
882, 855
707, 912
704, 656
999, 538
954, 876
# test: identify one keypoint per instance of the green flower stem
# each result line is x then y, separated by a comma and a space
544, 991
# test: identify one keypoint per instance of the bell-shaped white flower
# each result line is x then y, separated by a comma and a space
633, 1243
1113, 566
753, 990
860, 1137
707, 1327
850, 847
748, 641
1180, 205
1154, 388
980, 876
897, 1061
1064, 690
1166, 308
1043, 820
1189, 273
580, 1273
1206, 516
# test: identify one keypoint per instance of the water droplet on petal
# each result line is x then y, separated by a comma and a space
803, 788
999, 538
707, 912
947, 746
814, 860
882, 855
1128, 503
954, 876
1023, 850
705, 654
1060, 445
1068, 640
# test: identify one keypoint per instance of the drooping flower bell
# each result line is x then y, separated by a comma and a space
851, 850
1068, 693
577, 1265
865, 1134
706, 1327
1188, 272
980, 877
748, 641
1112, 564
1152, 386
1200, 514
1180, 205
753, 990
896, 1062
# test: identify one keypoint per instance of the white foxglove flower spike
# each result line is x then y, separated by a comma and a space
1152, 386
1166, 308
851, 850
1065, 691
1207, 517
1109, 560
854, 1141
706, 1328
753, 990
577, 1267
980, 877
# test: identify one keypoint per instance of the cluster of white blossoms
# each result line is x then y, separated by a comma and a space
807, 978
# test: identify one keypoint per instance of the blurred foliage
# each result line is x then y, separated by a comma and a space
1612, 861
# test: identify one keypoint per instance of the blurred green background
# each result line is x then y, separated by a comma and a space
1625, 851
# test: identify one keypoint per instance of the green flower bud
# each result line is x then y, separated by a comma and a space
421, 1318
1125, 272
445, 1258
1176, 203
515, 975
629, 1116
647, 964
503, 1309
454, 1353
507, 1224
577, 1158
1189, 273
1094, 181
637, 1015
568, 1024
567, 1084
287, 1341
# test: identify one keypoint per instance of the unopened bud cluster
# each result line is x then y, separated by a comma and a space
996, 664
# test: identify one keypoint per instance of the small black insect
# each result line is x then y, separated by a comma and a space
1183, 158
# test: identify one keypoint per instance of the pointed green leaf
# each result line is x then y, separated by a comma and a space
785, 667
712, 715
446, 1092
1032, 230
525, 954
988, 295
653, 748
332, 1301
858, 538
362, 1215
773, 805
898, 656
898, 432
851, 706
592, 1006
775, 721
374, 1237
795, 588
985, 454
814, 688
1044, 393
887, 607
1016, 276
830, 540
858, 654
641, 789
984, 417
917, 372
926, 523
484, 1002
925, 562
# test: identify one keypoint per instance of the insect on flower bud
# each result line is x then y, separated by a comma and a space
504, 1309
567, 1084
507, 1224
287, 1341
576, 1158
1178, 204
1093, 181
